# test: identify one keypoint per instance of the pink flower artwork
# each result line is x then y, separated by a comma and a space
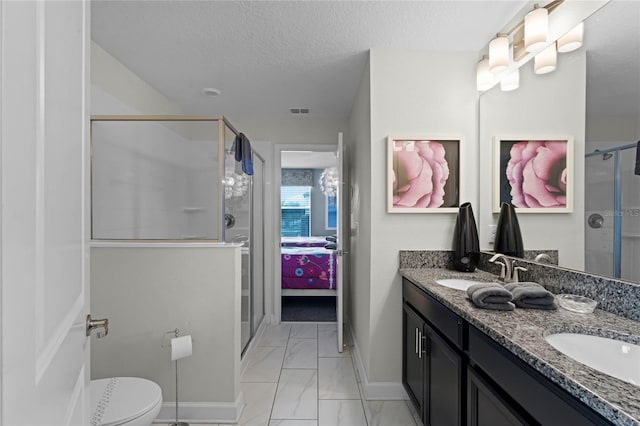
420, 174
537, 174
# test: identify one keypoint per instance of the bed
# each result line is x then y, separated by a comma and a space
303, 241
308, 271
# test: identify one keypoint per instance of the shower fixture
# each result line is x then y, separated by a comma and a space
605, 155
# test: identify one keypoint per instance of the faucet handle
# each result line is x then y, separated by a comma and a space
503, 270
516, 270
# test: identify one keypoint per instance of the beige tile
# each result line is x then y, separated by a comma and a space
304, 331
341, 413
337, 379
297, 395
275, 335
385, 413
328, 344
327, 326
301, 353
264, 365
293, 423
258, 400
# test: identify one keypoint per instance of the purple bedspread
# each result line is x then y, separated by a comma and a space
308, 267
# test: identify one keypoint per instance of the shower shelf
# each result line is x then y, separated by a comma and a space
192, 209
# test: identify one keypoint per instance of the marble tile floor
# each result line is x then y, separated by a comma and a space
315, 386
297, 377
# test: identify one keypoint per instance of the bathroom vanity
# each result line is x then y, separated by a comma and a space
468, 366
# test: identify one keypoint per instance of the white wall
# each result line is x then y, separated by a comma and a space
543, 106
421, 94
291, 130
358, 143
603, 132
113, 79
148, 291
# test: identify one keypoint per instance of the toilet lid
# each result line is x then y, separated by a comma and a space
117, 400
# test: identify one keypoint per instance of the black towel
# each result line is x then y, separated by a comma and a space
530, 295
491, 296
242, 148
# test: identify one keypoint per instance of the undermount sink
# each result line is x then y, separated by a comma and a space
610, 356
457, 283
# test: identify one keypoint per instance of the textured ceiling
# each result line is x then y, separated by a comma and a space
269, 56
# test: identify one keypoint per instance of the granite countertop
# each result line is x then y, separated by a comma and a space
522, 332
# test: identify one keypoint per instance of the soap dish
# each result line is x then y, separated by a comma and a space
575, 303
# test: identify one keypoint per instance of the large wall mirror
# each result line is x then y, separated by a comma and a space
592, 97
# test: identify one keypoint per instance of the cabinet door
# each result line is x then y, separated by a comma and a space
486, 407
413, 367
444, 382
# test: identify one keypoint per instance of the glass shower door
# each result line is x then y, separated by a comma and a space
629, 184
257, 243
237, 212
600, 214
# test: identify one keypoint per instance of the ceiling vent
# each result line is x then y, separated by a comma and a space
299, 110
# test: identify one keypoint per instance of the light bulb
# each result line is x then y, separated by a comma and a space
545, 61
536, 28
484, 78
571, 40
499, 54
511, 81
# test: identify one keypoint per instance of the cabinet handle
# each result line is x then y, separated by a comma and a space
417, 339
422, 342
426, 345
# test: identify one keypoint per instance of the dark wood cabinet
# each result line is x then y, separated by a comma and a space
432, 370
455, 374
485, 407
444, 382
413, 367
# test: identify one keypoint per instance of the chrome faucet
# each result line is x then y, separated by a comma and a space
509, 272
505, 266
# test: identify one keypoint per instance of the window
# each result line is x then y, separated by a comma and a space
330, 213
295, 208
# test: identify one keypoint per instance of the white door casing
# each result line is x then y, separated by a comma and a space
44, 238
340, 235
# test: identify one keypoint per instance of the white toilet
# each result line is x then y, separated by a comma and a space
130, 401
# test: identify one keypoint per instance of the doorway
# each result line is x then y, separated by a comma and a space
307, 274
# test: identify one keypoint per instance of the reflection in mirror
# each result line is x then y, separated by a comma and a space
594, 97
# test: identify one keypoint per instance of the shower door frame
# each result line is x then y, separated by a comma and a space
617, 202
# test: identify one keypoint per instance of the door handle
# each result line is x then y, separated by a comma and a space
98, 323
416, 345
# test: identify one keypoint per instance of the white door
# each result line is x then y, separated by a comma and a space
44, 235
340, 235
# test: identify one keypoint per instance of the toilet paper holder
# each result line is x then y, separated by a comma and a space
176, 333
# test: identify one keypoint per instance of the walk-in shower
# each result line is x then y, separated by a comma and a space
612, 202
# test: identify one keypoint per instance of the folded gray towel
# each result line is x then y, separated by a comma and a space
491, 296
530, 295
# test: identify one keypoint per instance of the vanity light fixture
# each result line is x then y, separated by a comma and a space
484, 77
571, 40
511, 81
529, 38
499, 53
546, 61
536, 29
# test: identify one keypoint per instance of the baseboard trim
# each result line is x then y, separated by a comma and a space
202, 412
374, 391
